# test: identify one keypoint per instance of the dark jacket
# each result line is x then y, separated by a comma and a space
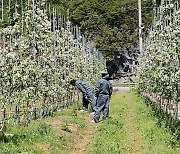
84, 87
103, 86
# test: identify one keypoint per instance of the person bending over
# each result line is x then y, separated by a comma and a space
88, 93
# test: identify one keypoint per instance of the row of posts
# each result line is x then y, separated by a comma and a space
23, 116
169, 106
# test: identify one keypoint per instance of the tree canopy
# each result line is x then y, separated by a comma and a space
113, 24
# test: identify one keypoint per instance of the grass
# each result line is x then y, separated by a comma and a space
133, 128
158, 139
111, 134
40, 137
29, 139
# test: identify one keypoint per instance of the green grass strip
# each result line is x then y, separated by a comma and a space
132, 128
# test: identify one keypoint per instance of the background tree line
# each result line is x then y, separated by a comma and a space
113, 24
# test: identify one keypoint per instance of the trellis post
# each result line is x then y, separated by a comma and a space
140, 27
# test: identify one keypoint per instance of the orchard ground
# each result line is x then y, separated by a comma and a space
132, 129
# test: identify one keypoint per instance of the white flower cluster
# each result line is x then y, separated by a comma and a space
37, 64
159, 68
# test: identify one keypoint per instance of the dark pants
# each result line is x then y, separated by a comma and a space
90, 100
102, 105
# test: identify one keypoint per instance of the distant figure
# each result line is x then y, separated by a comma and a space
88, 93
103, 93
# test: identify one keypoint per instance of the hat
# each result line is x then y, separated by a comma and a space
104, 73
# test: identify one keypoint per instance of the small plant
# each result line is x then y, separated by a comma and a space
2, 137
66, 128
74, 113
44, 129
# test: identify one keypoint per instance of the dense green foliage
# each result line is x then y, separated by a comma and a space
112, 23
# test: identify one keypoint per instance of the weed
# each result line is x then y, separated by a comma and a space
44, 129
74, 112
66, 128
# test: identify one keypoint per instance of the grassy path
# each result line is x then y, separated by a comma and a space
132, 129
134, 136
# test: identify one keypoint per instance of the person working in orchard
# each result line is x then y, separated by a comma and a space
103, 93
88, 93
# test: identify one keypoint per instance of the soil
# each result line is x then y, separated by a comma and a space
44, 147
87, 136
81, 137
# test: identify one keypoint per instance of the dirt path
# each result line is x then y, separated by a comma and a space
87, 136
134, 138
82, 137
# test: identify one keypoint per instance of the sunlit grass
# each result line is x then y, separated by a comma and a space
40, 133
111, 136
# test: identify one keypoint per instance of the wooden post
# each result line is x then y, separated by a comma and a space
2, 11
178, 110
140, 27
9, 5
4, 115
22, 17
35, 113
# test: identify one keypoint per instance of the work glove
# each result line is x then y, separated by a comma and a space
86, 97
